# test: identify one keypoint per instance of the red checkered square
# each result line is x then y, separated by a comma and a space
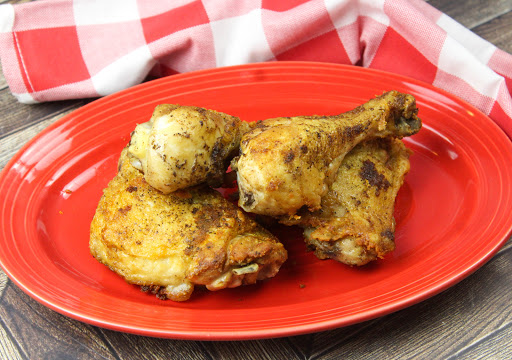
46, 61
174, 20
11, 62
187, 50
324, 48
406, 60
78, 90
500, 62
298, 24
282, 5
413, 22
45, 58
24, 76
128, 36
501, 112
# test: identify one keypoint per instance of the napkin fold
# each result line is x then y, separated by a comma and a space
63, 49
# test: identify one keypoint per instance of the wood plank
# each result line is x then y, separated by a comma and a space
14, 1
326, 340
257, 349
507, 246
10, 145
490, 347
152, 348
3, 282
44, 334
17, 116
303, 344
491, 20
440, 327
498, 31
3, 82
472, 13
8, 349
479, 304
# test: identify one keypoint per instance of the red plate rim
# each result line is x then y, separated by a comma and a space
251, 73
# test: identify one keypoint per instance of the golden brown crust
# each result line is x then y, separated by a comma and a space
355, 224
288, 163
169, 243
183, 146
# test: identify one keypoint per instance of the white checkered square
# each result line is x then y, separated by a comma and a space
218, 10
375, 10
89, 12
98, 54
6, 18
342, 13
456, 60
482, 49
125, 72
240, 39
148, 8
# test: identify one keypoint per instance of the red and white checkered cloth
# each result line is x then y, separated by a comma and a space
61, 49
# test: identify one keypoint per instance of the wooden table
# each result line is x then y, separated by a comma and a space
471, 320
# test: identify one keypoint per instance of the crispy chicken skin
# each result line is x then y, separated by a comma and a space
169, 243
287, 163
182, 146
355, 224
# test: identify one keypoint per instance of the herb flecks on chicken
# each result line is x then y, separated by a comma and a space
168, 243
289, 163
355, 224
182, 146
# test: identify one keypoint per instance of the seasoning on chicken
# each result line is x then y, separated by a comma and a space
355, 223
182, 146
289, 163
169, 243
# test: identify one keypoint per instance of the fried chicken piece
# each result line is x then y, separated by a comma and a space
182, 146
169, 243
355, 224
288, 163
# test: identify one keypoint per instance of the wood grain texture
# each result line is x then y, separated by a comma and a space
3, 282
152, 348
507, 246
257, 349
471, 320
498, 31
14, 1
9, 145
17, 116
451, 323
490, 347
472, 13
8, 348
3, 82
45, 334
489, 19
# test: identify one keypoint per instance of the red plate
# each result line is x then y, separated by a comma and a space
453, 213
